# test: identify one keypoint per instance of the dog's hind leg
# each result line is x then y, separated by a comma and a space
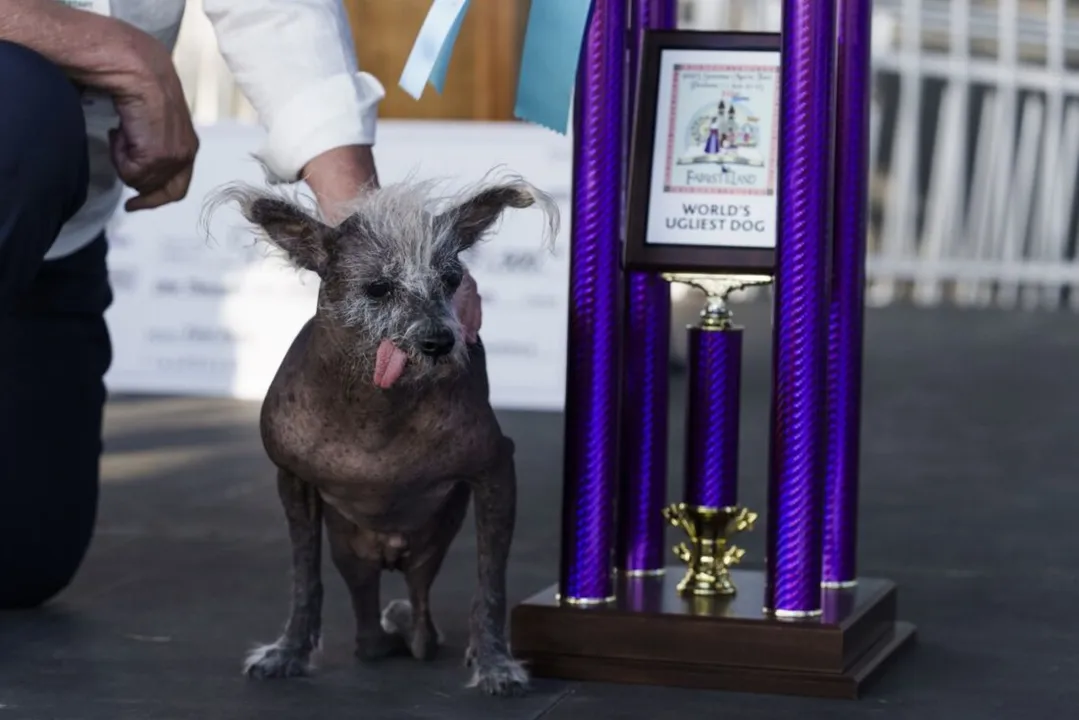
291, 654
362, 576
495, 670
411, 619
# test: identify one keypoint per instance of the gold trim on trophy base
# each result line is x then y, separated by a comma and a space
653, 635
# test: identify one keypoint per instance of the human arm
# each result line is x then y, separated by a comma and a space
338, 176
93, 50
296, 62
154, 147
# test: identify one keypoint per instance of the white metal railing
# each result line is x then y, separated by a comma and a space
975, 141
1002, 237
975, 147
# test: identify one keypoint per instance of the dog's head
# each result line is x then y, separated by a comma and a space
389, 271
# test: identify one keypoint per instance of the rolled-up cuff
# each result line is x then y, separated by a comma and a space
337, 112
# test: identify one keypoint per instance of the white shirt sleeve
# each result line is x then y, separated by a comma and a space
296, 62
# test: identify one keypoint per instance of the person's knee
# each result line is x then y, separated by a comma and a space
42, 125
38, 563
46, 526
39, 587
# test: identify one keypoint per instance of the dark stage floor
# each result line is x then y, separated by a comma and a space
971, 494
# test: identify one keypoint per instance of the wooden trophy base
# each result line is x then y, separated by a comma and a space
652, 635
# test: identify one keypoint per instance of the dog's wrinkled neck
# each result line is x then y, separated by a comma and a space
348, 365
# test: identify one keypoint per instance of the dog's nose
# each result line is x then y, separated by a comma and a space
437, 343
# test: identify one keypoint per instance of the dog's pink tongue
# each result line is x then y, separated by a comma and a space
389, 364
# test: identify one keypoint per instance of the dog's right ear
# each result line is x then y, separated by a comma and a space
302, 237
305, 239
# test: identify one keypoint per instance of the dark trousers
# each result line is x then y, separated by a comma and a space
54, 346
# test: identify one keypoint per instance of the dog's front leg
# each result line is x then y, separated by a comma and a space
495, 671
291, 654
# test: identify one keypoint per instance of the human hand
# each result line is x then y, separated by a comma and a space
468, 306
154, 147
338, 177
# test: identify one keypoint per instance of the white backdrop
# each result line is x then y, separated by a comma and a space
214, 316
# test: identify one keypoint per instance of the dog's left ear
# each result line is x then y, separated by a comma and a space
304, 239
473, 217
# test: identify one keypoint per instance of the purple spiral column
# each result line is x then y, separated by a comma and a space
712, 417
592, 387
801, 311
645, 356
847, 303
837, 605
642, 594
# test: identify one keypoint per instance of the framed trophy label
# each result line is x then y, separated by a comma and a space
704, 165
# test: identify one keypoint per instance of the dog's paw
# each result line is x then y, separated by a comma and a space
277, 661
381, 645
505, 677
470, 656
397, 618
425, 643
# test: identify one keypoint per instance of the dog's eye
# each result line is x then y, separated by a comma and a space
379, 289
452, 281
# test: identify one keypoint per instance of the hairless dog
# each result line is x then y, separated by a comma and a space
380, 424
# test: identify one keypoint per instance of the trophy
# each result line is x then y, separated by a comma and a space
709, 513
766, 202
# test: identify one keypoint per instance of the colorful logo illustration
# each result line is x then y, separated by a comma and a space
726, 132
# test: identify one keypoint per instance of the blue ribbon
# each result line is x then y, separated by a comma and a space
438, 74
430, 55
549, 60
